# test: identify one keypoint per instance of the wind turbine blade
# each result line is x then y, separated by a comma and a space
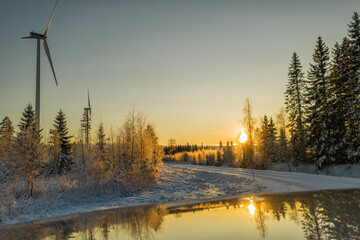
26, 37
88, 98
89, 101
47, 28
46, 47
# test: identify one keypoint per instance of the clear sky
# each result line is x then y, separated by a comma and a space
187, 65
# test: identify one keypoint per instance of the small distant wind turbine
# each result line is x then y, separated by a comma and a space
38, 37
87, 119
88, 109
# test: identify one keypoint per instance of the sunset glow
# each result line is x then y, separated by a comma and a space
251, 208
243, 137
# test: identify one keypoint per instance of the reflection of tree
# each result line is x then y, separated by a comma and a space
340, 214
279, 209
30, 232
323, 215
260, 217
105, 226
293, 212
90, 234
138, 223
63, 229
311, 219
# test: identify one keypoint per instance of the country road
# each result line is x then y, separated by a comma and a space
276, 182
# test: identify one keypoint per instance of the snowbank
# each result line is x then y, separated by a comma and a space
343, 170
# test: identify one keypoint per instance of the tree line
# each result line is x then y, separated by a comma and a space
172, 149
32, 166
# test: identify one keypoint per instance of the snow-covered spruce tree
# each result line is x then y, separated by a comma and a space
317, 108
61, 147
294, 100
353, 109
6, 138
267, 141
338, 101
28, 153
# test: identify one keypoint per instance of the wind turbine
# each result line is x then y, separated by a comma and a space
88, 109
87, 119
39, 37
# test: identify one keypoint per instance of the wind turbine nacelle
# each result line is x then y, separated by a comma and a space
37, 35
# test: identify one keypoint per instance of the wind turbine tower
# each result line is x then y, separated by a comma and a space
86, 119
39, 37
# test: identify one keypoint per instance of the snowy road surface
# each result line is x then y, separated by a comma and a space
276, 182
189, 183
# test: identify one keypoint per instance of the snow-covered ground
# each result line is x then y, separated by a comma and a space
188, 183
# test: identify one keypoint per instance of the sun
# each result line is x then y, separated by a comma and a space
251, 208
243, 137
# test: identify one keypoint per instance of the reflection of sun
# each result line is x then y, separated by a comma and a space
243, 137
251, 208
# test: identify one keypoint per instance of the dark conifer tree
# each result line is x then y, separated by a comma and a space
263, 140
271, 139
317, 97
6, 133
6, 138
353, 109
294, 100
219, 157
6, 129
267, 135
229, 157
338, 101
28, 121
61, 146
